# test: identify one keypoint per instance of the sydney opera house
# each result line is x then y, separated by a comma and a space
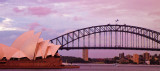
30, 51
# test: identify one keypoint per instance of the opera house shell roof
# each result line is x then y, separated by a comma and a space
28, 45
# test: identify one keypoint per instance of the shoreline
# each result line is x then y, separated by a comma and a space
87, 64
55, 67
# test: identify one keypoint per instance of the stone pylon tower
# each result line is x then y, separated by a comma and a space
85, 54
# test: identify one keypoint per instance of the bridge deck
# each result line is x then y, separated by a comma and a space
120, 48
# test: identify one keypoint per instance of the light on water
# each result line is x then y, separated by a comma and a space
99, 67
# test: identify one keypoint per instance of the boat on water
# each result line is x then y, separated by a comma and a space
30, 51
116, 64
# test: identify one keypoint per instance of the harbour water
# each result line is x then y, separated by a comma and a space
100, 67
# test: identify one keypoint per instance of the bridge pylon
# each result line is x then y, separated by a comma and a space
85, 54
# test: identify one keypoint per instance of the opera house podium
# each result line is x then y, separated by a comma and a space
30, 51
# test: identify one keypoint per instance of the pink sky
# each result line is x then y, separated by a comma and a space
56, 17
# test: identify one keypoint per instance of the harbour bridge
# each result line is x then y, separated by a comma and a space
109, 36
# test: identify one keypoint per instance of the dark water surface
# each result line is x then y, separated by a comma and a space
99, 67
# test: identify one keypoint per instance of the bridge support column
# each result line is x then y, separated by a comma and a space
85, 54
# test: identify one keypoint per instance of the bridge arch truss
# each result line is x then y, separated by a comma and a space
110, 37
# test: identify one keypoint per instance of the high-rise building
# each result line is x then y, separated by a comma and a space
121, 55
136, 58
129, 56
141, 59
146, 56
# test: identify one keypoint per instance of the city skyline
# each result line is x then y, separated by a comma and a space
48, 16
142, 59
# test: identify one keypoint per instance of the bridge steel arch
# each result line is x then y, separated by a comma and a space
149, 39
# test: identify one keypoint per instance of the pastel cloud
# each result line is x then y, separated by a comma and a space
126, 4
44, 29
33, 10
119, 7
1, 19
52, 1
157, 20
157, 13
17, 10
6, 24
33, 26
39, 11
76, 18
37, 26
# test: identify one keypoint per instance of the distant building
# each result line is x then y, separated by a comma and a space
121, 55
129, 57
146, 56
155, 58
159, 56
155, 55
123, 61
141, 59
100, 60
147, 62
136, 58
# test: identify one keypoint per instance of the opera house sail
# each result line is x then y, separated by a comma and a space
26, 50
